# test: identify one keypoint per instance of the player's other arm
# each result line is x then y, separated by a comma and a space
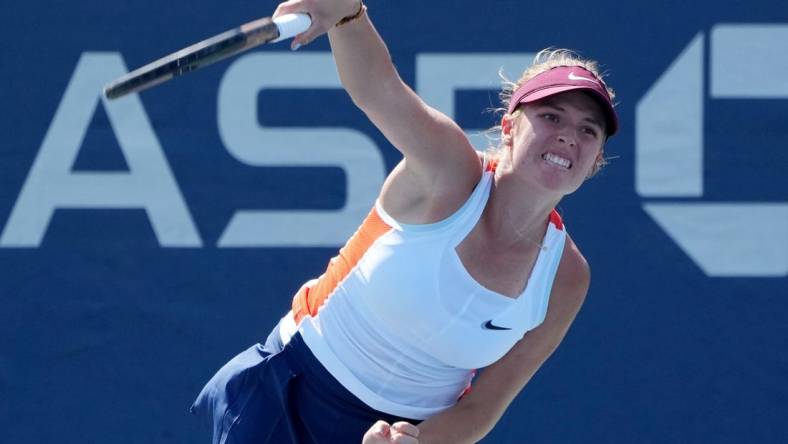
475, 415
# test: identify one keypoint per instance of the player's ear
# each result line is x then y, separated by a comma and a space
506, 130
506, 124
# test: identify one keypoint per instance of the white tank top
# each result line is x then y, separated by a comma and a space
399, 321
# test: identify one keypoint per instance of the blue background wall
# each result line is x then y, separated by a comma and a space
108, 330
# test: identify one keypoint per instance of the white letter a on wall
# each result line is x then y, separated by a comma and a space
51, 184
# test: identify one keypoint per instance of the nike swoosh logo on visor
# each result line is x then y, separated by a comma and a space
572, 76
489, 326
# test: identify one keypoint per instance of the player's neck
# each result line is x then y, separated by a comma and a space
518, 214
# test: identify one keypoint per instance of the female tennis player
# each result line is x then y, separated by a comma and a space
462, 264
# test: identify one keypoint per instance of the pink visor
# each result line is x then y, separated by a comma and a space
566, 78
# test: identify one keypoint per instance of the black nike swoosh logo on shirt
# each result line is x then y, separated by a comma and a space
490, 326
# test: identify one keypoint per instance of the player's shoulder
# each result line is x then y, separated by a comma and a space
574, 273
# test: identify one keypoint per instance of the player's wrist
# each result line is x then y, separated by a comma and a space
360, 11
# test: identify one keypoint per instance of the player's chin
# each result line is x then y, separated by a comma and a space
569, 181
560, 182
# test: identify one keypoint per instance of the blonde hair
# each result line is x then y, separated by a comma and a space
544, 60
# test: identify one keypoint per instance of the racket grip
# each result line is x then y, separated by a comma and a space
290, 25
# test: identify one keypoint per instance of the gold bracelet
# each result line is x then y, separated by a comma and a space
362, 8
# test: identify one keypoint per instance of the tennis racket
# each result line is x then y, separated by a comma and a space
226, 44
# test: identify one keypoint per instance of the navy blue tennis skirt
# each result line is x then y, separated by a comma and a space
282, 394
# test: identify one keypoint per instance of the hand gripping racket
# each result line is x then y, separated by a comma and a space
226, 44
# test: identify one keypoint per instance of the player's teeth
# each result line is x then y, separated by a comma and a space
557, 160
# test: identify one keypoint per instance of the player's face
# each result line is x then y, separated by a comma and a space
556, 141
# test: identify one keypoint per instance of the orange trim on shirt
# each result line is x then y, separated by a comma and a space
311, 296
555, 218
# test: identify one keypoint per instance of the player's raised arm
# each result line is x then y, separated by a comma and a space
436, 150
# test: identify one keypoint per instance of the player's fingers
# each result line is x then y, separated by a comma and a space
284, 8
406, 428
321, 22
381, 427
310, 34
300, 6
401, 438
281, 9
378, 433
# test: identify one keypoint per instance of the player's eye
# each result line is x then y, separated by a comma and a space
590, 131
550, 116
